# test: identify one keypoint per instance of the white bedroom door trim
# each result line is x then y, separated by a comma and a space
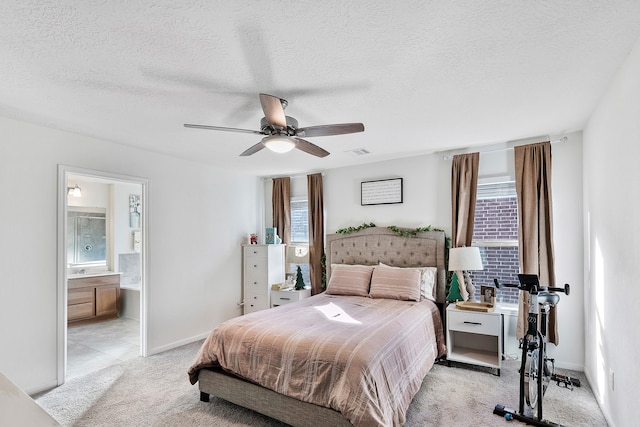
61, 330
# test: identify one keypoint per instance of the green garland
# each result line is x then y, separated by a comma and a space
405, 232
350, 230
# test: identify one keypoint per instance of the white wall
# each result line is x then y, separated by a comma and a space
611, 206
568, 245
122, 232
427, 194
427, 201
198, 217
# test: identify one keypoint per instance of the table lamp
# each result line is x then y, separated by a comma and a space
462, 260
298, 254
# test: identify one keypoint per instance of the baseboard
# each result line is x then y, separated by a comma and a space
570, 366
604, 410
40, 388
176, 344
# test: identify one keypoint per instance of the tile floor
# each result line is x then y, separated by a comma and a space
98, 345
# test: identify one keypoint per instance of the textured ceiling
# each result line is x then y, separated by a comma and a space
422, 76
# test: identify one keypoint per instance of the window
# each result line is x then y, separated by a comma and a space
495, 232
300, 232
299, 220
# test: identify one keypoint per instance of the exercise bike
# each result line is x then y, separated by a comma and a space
536, 369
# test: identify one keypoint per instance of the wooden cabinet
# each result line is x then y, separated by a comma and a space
263, 265
92, 299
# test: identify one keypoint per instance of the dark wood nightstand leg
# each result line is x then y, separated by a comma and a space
204, 397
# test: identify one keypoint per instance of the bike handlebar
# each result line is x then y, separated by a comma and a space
566, 289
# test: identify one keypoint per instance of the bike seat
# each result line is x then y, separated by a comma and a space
548, 298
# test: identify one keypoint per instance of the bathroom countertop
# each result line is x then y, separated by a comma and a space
92, 274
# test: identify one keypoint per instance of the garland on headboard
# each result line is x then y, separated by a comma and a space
405, 232
350, 230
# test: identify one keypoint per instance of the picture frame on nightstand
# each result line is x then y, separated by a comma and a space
488, 294
290, 279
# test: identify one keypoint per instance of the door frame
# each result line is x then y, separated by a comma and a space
61, 330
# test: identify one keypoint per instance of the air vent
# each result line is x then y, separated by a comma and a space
359, 151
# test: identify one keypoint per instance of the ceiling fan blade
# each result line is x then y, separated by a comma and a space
327, 130
273, 110
310, 148
253, 149
257, 132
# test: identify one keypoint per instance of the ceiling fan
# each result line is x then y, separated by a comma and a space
282, 132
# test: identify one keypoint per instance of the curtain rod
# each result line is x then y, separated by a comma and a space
300, 175
495, 150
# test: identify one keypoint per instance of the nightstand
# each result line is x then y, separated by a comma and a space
475, 337
288, 296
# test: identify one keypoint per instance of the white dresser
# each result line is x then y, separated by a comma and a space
263, 266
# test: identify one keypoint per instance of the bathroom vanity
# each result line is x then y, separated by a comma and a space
93, 297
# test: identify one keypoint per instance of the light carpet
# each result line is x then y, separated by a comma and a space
155, 391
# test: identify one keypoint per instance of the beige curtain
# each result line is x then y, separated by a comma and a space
316, 231
281, 204
464, 187
535, 230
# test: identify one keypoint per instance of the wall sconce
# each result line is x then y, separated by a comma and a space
74, 191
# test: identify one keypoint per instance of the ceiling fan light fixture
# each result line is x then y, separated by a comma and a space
279, 143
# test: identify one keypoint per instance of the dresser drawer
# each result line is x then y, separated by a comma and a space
474, 323
79, 296
286, 297
255, 251
80, 311
256, 271
256, 287
253, 302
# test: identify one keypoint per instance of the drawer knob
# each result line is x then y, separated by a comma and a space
472, 323
286, 299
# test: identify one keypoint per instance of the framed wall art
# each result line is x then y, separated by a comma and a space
381, 192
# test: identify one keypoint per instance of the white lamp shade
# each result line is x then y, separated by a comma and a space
298, 254
465, 259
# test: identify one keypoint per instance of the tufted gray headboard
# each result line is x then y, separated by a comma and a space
379, 244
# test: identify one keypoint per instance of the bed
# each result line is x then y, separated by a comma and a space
346, 356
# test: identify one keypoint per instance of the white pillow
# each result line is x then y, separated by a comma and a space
428, 277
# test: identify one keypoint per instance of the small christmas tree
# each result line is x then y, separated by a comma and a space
299, 279
454, 290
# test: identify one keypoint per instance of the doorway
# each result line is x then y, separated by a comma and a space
93, 331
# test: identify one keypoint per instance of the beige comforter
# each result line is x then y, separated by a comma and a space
363, 357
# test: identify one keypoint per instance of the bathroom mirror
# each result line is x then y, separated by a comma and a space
86, 238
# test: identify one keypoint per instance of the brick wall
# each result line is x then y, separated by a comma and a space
497, 219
